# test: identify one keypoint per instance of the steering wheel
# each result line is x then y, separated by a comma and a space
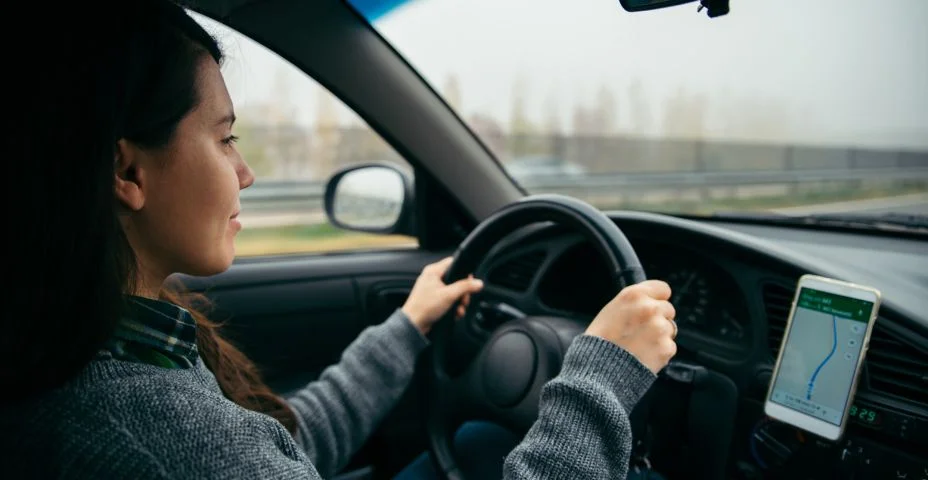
503, 381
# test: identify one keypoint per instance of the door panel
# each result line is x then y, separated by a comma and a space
295, 315
291, 330
383, 295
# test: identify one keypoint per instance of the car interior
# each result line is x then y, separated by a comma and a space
734, 279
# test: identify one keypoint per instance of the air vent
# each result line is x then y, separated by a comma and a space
778, 299
897, 368
517, 273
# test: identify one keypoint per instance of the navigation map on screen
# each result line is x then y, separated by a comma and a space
820, 355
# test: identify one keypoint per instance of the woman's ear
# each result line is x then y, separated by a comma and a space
128, 179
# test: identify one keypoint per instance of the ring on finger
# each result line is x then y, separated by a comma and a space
675, 329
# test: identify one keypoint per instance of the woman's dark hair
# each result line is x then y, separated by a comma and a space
119, 70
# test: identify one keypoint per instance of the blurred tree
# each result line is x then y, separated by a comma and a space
451, 91
606, 111
521, 128
757, 119
583, 123
283, 109
685, 115
599, 120
639, 111
490, 132
326, 136
252, 145
552, 122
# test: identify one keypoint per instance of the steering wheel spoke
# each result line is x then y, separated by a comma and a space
459, 395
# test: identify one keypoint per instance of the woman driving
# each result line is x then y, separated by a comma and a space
128, 166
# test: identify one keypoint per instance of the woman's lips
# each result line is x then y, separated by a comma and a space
236, 224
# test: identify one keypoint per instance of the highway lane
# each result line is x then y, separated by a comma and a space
914, 204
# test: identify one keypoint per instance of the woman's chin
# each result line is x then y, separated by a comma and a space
226, 261
218, 263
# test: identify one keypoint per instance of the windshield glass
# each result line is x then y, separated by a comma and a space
787, 107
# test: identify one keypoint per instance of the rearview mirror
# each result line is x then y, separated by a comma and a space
714, 8
641, 5
374, 198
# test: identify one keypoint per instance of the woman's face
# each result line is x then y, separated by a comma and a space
183, 199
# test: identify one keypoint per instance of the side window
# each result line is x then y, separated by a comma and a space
294, 134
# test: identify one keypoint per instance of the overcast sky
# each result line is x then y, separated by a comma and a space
846, 72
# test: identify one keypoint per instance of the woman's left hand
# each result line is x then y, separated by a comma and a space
430, 298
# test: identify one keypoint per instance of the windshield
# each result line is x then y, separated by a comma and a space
788, 107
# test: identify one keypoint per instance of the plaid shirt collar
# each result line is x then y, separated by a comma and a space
156, 325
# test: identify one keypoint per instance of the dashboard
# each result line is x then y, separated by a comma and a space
711, 308
733, 285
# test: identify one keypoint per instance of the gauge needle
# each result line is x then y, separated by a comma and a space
730, 320
735, 325
682, 290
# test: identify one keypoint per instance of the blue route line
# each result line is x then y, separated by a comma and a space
834, 346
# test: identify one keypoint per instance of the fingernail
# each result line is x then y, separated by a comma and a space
478, 282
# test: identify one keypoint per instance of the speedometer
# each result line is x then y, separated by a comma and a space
691, 295
710, 306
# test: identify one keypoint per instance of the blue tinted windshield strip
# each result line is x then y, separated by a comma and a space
374, 9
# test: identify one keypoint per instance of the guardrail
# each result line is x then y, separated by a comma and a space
283, 196
719, 179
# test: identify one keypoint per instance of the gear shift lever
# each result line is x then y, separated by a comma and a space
688, 404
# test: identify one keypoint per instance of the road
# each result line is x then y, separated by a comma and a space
834, 346
915, 204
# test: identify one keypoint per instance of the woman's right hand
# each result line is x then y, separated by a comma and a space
640, 320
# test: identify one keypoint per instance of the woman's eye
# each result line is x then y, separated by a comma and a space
230, 140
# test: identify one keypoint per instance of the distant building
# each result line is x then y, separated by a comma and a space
490, 131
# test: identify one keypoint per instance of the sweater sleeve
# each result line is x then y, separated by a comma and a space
338, 412
583, 429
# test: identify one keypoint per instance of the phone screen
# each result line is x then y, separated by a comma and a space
820, 356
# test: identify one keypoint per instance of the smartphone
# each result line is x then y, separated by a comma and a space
821, 355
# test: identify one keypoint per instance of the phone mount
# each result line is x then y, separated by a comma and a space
685, 423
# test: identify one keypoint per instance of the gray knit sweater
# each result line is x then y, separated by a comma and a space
121, 419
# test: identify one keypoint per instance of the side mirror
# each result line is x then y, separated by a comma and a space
375, 198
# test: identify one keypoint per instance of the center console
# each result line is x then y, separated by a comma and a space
692, 425
880, 443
